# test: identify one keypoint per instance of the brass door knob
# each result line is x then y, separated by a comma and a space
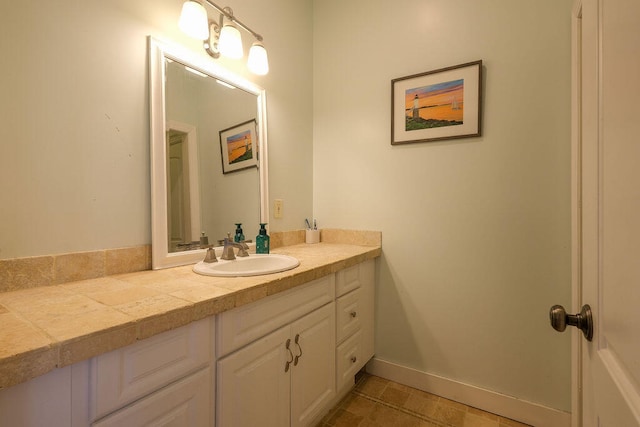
583, 320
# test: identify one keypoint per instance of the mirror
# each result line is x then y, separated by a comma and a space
208, 154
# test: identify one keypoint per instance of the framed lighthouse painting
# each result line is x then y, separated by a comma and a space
239, 147
437, 105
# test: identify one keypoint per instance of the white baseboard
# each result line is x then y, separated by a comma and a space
490, 401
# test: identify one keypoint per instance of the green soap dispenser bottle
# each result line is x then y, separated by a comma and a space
262, 240
239, 237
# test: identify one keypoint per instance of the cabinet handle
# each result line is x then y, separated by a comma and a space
353, 359
286, 366
353, 314
295, 362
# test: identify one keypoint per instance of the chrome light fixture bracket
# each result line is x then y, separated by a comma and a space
212, 44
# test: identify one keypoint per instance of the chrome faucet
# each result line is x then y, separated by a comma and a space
227, 251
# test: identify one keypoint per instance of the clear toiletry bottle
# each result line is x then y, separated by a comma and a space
239, 237
262, 240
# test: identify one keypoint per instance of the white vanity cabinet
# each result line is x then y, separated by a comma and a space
286, 377
280, 361
354, 321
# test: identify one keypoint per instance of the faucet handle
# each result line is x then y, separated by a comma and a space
242, 250
210, 257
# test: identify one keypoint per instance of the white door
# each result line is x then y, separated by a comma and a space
607, 226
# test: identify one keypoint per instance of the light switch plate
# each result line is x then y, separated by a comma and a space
277, 208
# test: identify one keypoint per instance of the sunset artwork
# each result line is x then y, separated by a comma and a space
239, 147
436, 105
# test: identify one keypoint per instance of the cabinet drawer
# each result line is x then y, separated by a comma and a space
122, 376
349, 360
347, 280
349, 312
188, 402
243, 325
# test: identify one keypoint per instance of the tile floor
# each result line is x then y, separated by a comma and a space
379, 402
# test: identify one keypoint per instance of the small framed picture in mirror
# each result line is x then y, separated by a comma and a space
239, 147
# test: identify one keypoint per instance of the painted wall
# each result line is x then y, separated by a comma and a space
74, 157
476, 232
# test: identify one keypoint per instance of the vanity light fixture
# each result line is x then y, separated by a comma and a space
222, 37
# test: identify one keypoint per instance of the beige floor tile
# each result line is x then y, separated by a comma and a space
449, 414
483, 414
421, 404
506, 422
394, 396
359, 405
406, 420
377, 402
344, 418
454, 404
372, 386
473, 420
384, 415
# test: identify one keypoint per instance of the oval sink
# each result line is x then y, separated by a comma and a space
253, 265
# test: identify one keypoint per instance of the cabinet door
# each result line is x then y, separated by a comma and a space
253, 386
124, 375
185, 403
313, 375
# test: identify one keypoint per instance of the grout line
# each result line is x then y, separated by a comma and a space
400, 409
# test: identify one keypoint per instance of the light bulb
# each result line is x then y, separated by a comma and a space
258, 62
230, 43
193, 20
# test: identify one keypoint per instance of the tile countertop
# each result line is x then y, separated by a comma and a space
55, 326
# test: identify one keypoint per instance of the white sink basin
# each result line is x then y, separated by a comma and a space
253, 265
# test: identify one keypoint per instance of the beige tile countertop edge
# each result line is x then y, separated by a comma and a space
56, 326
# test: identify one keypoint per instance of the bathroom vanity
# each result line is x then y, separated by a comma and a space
280, 350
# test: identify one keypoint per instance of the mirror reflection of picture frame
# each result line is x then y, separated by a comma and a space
238, 146
437, 105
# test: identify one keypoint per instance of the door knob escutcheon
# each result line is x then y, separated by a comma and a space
583, 320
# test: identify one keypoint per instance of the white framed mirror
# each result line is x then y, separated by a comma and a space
208, 154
